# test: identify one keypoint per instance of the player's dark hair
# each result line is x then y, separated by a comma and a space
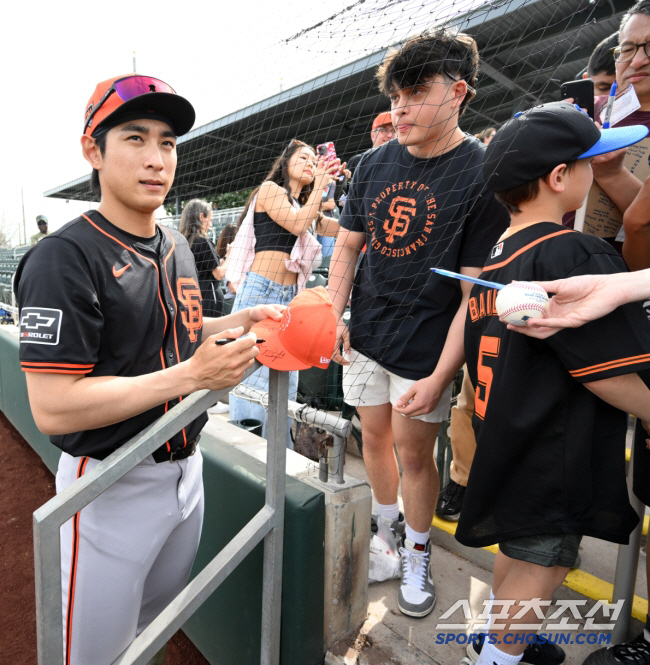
421, 58
529, 191
94, 176
641, 7
280, 176
191, 225
602, 60
226, 237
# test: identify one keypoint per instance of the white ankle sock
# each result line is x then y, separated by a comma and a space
490, 655
417, 537
390, 510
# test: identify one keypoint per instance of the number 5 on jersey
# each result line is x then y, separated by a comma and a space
489, 348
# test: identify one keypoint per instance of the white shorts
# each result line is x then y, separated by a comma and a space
367, 383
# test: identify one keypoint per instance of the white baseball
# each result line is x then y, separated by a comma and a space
519, 301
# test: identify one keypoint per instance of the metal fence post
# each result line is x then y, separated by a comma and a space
276, 453
627, 563
337, 458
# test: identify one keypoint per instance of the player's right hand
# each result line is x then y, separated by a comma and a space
218, 367
342, 340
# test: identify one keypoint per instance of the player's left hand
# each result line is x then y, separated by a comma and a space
422, 398
261, 312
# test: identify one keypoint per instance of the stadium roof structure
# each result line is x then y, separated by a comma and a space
527, 49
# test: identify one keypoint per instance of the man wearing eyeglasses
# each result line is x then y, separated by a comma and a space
632, 58
382, 131
111, 338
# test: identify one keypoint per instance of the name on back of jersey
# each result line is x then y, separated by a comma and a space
483, 305
40, 325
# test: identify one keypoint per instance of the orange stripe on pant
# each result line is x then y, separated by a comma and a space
73, 570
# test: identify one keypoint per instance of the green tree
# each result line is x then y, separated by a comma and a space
226, 200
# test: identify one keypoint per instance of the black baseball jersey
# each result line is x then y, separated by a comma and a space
550, 455
98, 301
417, 214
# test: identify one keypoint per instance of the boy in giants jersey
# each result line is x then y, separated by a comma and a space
550, 414
111, 331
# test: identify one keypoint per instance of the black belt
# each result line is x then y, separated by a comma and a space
178, 453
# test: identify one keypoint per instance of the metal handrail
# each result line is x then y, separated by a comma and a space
267, 524
331, 464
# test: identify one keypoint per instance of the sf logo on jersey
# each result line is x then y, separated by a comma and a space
40, 325
192, 316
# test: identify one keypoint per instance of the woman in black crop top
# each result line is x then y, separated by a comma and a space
287, 204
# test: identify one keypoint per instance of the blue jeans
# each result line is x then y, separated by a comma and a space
327, 244
258, 290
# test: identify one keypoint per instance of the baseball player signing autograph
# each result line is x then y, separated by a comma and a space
111, 337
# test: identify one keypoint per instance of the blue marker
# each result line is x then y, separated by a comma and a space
610, 105
475, 280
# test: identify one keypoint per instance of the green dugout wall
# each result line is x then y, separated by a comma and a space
226, 629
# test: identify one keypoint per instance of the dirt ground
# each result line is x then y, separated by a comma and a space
25, 485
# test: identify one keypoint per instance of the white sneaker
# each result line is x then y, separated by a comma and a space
417, 593
219, 408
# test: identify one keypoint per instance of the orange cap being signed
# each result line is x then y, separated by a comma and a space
382, 119
304, 337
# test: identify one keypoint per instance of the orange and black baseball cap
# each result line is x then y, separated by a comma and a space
133, 96
382, 119
305, 336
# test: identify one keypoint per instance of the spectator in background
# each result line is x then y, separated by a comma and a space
224, 244
382, 131
195, 224
602, 68
227, 235
486, 135
41, 222
632, 62
328, 207
632, 67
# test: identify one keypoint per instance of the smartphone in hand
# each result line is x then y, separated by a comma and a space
582, 92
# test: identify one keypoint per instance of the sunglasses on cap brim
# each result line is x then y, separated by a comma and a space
126, 89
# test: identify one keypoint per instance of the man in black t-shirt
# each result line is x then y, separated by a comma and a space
417, 202
550, 415
111, 338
